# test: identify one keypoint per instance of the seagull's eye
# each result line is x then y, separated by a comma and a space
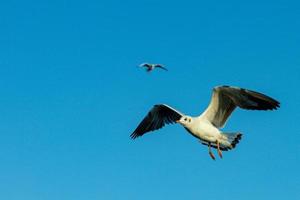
190, 120
185, 119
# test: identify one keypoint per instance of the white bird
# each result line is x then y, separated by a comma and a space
151, 67
206, 127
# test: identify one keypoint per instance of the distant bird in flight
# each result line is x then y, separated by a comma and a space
206, 127
149, 67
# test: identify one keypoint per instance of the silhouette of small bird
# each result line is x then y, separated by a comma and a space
149, 67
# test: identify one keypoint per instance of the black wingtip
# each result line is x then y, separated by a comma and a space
277, 105
274, 105
133, 136
264, 102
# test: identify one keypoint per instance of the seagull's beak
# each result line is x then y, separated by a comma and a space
177, 121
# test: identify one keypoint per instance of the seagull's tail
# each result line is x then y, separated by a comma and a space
230, 140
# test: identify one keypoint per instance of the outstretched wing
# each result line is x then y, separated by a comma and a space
145, 65
157, 117
225, 99
161, 66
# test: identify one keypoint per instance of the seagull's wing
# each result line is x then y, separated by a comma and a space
161, 66
157, 117
145, 65
225, 99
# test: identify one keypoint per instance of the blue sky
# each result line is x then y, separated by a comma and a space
71, 94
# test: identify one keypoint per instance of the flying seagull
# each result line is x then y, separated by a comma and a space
149, 67
206, 127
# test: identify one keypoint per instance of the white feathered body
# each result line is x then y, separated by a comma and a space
204, 130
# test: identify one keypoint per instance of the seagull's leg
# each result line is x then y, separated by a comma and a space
210, 152
219, 150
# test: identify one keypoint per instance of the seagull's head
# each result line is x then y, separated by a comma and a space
185, 120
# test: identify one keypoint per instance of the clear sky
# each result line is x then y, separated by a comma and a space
71, 94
